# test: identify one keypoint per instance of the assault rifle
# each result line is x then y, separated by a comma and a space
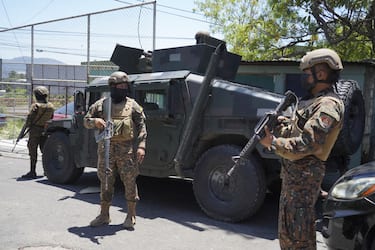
269, 120
21, 135
106, 135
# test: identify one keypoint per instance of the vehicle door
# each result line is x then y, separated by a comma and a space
84, 144
163, 106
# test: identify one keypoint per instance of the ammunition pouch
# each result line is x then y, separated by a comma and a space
123, 129
123, 125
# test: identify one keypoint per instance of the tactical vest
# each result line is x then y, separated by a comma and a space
303, 112
44, 113
123, 125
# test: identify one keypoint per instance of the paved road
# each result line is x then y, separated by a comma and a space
36, 214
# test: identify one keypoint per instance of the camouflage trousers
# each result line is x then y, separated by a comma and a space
36, 138
301, 182
121, 162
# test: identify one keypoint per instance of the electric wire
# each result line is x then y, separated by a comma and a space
165, 12
174, 14
138, 26
14, 34
40, 11
53, 34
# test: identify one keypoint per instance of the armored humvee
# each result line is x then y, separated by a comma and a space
197, 120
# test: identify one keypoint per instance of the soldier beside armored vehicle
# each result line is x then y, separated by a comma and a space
228, 115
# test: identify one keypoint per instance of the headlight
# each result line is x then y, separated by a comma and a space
354, 189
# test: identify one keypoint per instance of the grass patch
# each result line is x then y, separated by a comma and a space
11, 129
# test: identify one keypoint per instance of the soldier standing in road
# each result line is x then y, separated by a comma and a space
129, 136
40, 112
304, 142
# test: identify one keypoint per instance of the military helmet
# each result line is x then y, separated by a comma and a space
117, 78
41, 91
328, 56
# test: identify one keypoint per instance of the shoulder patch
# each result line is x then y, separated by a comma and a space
325, 121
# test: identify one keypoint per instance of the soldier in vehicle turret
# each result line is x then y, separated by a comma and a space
304, 142
129, 135
40, 112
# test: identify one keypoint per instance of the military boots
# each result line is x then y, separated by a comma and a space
103, 217
29, 175
130, 218
32, 173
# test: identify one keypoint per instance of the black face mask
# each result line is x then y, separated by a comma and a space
40, 98
118, 95
305, 84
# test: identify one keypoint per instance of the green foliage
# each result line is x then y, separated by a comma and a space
12, 91
272, 29
14, 76
11, 129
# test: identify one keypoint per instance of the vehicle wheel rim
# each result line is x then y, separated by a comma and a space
59, 157
221, 190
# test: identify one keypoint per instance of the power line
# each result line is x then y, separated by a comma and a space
174, 14
165, 6
40, 11
138, 24
10, 23
54, 34
190, 12
93, 34
168, 7
6, 43
77, 16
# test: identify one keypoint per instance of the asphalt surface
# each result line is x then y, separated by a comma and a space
37, 214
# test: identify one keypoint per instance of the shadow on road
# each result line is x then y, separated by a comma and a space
171, 199
94, 234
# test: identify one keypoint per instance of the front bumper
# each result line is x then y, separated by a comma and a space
347, 223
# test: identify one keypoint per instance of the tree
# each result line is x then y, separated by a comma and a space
245, 29
288, 28
346, 26
14, 76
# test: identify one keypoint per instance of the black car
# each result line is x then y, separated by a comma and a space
349, 211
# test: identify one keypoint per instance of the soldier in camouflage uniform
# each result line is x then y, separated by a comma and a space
40, 112
304, 142
129, 136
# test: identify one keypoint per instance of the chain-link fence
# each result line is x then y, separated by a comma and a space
64, 55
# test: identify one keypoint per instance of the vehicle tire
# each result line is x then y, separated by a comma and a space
241, 197
372, 245
350, 137
58, 161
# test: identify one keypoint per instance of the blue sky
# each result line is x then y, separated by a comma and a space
176, 25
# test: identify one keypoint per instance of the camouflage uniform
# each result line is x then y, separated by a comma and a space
40, 112
122, 158
304, 143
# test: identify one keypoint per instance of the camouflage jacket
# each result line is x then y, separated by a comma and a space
118, 112
39, 114
313, 129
